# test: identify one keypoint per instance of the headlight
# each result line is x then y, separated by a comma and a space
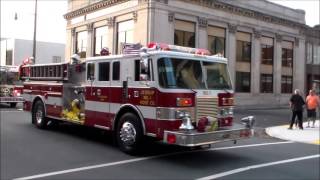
174, 113
181, 113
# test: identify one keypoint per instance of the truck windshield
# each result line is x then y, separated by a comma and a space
9, 76
192, 74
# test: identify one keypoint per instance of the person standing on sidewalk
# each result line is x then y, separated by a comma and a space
312, 102
296, 104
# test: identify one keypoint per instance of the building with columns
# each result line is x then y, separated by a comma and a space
264, 43
313, 58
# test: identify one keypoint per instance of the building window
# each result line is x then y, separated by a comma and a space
81, 44
9, 57
243, 51
266, 69
287, 67
266, 81
104, 68
243, 81
287, 57
286, 84
266, 54
309, 53
243, 62
216, 40
184, 33
316, 54
125, 33
116, 71
6, 52
100, 39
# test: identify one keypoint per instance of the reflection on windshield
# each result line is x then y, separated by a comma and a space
8, 77
188, 74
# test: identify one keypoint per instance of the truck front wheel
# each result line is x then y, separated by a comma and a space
129, 133
38, 115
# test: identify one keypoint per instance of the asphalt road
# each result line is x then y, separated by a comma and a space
75, 152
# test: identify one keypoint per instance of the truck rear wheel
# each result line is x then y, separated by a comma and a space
38, 116
129, 133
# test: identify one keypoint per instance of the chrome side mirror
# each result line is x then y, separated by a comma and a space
248, 121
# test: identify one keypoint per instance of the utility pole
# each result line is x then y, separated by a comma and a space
35, 32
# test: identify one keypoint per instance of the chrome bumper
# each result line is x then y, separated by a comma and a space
11, 99
193, 138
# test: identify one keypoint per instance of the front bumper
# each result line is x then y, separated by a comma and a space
11, 99
194, 138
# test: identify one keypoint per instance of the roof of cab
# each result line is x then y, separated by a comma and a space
161, 53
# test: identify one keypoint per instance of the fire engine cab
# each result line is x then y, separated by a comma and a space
180, 96
10, 85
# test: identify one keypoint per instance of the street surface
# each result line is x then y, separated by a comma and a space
75, 152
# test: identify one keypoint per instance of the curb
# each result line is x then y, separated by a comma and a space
308, 135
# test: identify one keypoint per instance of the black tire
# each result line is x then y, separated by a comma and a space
130, 124
38, 116
13, 105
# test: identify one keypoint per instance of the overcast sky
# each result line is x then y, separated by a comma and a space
51, 25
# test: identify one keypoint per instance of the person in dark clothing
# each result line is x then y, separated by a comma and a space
296, 104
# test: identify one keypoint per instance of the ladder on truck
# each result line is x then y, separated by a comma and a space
53, 72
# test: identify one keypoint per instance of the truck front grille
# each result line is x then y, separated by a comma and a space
206, 106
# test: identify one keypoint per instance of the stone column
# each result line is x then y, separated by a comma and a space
141, 20
90, 40
277, 66
112, 35
69, 45
202, 33
74, 41
255, 62
299, 65
231, 51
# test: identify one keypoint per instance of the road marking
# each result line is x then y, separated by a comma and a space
227, 173
140, 159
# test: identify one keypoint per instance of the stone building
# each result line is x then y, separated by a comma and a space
313, 58
264, 42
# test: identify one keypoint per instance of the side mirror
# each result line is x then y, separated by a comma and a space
248, 121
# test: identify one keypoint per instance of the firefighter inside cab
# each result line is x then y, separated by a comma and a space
177, 95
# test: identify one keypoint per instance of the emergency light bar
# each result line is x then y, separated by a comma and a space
168, 47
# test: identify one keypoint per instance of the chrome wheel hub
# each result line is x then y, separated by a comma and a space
128, 133
39, 116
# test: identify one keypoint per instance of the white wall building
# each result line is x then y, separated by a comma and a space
14, 51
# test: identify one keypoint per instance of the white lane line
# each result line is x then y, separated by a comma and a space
140, 159
227, 173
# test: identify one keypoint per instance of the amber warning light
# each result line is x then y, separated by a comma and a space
183, 102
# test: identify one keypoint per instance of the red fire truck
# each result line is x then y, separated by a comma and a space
178, 95
10, 86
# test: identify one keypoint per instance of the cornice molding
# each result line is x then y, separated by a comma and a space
92, 8
219, 5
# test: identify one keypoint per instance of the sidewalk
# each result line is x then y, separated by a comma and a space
308, 135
